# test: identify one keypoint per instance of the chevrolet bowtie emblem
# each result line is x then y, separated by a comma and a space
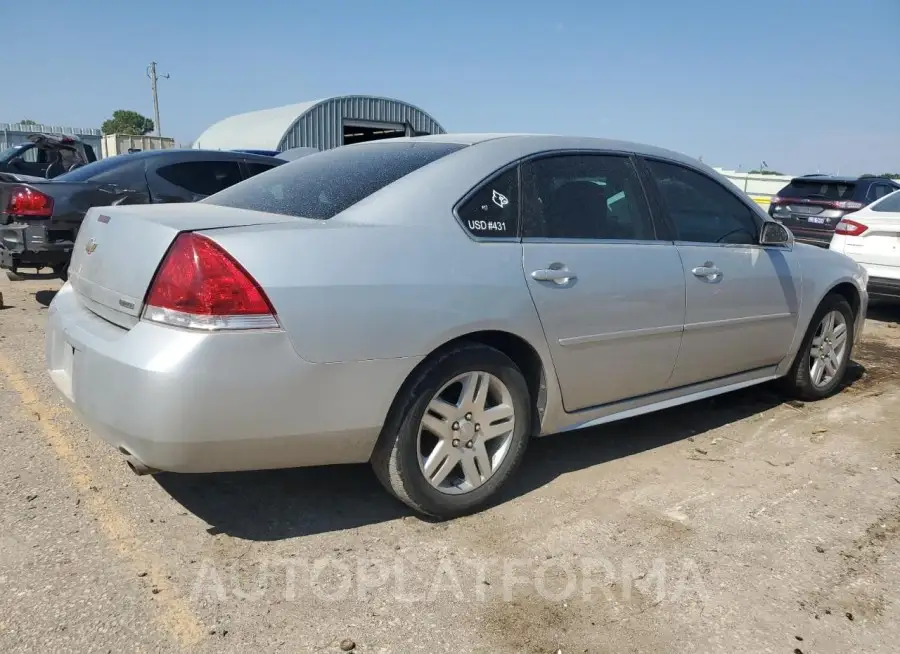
91, 246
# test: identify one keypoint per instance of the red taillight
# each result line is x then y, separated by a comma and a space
849, 227
25, 201
775, 200
201, 286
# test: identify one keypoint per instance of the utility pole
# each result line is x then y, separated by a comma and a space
151, 73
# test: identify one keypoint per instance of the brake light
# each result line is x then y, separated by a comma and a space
775, 200
26, 201
849, 205
200, 286
847, 227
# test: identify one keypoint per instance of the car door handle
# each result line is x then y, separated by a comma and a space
559, 275
707, 270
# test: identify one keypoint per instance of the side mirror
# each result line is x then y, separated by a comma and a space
774, 233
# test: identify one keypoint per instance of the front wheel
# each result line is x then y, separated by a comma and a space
821, 362
460, 434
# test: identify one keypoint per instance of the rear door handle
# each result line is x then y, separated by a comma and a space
708, 271
559, 275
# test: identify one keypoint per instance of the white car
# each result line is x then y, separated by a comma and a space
871, 237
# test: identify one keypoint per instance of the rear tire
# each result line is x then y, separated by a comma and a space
61, 270
824, 354
446, 456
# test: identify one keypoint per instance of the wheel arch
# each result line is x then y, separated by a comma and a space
844, 288
518, 349
849, 292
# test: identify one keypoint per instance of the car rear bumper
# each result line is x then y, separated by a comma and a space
185, 401
884, 288
25, 244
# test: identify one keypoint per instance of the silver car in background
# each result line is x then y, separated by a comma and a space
429, 304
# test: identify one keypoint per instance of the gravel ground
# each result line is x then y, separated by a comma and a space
740, 524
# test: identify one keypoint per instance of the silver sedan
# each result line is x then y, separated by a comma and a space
430, 304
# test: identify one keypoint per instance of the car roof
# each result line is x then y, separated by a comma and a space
192, 153
535, 143
841, 179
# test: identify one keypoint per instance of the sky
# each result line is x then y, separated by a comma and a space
804, 85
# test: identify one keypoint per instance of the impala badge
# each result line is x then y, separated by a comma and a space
91, 246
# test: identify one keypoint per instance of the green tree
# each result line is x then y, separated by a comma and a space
764, 171
125, 121
28, 121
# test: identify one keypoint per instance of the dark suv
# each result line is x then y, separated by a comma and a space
811, 206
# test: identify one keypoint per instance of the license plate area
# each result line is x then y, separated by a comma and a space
816, 220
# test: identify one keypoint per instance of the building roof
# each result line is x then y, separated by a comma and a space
260, 129
265, 129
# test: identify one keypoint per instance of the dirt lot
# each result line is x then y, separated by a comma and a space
742, 524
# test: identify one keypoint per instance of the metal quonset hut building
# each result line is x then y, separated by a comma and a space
321, 124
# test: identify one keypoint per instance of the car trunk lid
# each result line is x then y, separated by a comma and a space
879, 245
119, 249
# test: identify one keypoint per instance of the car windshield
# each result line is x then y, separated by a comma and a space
9, 153
324, 184
88, 172
888, 204
813, 189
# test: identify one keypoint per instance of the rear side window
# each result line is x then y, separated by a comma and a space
492, 211
890, 203
202, 177
324, 184
878, 191
584, 196
811, 189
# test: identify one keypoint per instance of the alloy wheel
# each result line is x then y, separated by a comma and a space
828, 349
466, 432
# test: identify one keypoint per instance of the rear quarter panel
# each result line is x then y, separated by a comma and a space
356, 292
395, 275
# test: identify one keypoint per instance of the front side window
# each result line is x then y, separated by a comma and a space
493, 210
202, 177
702, 210
324, 184
584, 196
889, 204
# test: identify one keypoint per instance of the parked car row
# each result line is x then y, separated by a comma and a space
813, 206
39, 219
430, 304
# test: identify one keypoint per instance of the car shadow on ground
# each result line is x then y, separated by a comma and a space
281, 504
44, 298
20, 276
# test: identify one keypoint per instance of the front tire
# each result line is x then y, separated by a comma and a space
824, 354
458, 435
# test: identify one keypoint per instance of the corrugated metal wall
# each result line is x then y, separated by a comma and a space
322, 126
15, 133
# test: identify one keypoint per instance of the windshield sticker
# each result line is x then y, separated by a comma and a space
500, 200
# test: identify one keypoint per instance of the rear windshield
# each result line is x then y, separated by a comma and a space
888, 204
89, 171
818, 190
324, 184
